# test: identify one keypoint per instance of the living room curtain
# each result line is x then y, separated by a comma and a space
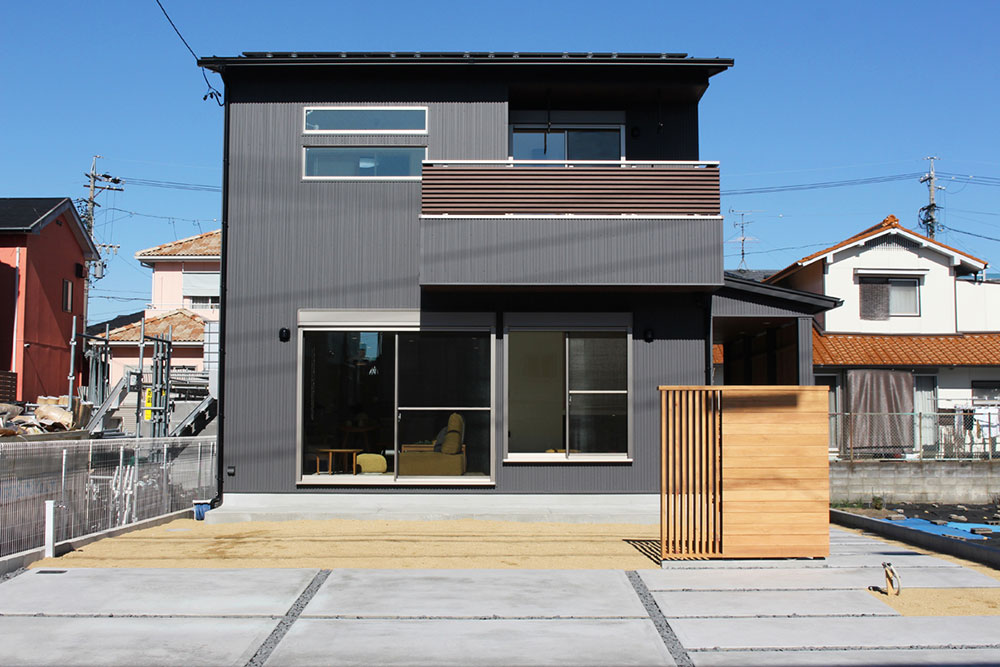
881, 406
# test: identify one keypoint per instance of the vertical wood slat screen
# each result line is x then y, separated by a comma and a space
691, 472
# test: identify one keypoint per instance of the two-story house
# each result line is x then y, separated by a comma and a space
44, 247
185, 295
919, 332
468, 272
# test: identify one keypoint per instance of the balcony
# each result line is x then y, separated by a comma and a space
570, 223
544, 187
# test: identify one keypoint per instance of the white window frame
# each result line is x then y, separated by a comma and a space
424, 131
389, 321
67, 296
568, 323
566, 126
361, 179
889, 277
916, 285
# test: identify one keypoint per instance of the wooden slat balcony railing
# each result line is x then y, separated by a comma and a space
544, 187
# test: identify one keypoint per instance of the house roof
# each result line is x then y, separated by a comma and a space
207, 246
116, 322
906, 350
183, 325
888, 226
493, 58
28, 215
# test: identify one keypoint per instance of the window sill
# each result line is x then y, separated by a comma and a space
561, 458
386, 480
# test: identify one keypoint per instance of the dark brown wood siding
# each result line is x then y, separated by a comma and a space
611, 190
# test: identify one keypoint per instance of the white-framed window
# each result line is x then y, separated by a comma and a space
569, 388
535, 141
205, 302
418, 399
365, 120
882, 298
363, 163
67, 296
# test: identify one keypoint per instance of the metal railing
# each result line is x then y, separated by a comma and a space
98, 484
972, 434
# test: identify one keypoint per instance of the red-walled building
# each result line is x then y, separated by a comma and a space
43, 247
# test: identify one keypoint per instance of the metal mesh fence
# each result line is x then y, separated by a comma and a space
972, 434
98, 484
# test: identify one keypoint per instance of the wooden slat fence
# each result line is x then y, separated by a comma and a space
744, 472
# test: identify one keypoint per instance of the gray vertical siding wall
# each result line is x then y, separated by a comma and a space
295, 244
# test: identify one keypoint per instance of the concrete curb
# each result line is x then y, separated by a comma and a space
24, 558
946, 545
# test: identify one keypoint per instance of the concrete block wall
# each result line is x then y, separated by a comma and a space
912, 481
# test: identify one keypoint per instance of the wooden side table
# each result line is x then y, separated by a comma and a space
348, 453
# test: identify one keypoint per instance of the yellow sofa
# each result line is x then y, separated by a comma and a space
421, 459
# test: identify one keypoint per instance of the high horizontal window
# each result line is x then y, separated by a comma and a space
359, 162
366, 120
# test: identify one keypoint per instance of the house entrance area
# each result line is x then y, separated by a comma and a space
377, 406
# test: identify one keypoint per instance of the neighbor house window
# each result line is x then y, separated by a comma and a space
205, 302
986, 391
364, 162
882, 298
67, 296
366, 120
567, 394
530, 142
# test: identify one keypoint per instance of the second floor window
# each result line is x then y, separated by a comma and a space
205, 302
882, 298
529, 142
67, 296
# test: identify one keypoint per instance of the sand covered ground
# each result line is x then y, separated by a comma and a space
339, 543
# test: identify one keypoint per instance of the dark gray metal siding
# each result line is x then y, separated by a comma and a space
743, 304
570, 251
296, 244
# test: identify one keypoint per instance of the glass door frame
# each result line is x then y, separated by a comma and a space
565, 126
476, 325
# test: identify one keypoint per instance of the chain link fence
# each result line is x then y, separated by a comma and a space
98, 484
919, 436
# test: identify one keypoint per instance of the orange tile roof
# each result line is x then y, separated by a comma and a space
187, 328
208, 244
891, 222
899, 350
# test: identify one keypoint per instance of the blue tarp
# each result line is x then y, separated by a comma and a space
934, 529
967, 527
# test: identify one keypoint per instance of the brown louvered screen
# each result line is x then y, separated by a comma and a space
598, 191
691, 472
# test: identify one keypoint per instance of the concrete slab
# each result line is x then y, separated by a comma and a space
477, 594
561, 508
951, 656
163, 592
872, 559
812, 578
838, 632
721, 604
440, 642
126, 642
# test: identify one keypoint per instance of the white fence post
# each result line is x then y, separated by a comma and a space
50, 528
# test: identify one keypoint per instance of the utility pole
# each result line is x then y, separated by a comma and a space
743, 238
928, 214
95, 189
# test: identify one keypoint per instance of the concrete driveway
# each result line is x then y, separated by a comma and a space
701, 613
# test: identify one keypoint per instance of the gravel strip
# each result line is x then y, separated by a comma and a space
677, 651
279, 632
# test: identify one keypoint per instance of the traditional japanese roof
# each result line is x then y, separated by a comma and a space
183, 325
202, 246
28, 215
906, 350
888, 226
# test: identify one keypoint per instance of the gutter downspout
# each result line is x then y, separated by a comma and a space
17, 295
709, 337
224, 253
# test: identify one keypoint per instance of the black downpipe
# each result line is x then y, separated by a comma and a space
220, 437
709, 335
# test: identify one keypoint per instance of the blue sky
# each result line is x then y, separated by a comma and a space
820, 92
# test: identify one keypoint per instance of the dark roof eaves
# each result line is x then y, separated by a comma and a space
820, 302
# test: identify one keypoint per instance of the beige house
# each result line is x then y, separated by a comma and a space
185, 295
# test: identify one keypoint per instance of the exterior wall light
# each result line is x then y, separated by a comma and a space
284, 335
647, 335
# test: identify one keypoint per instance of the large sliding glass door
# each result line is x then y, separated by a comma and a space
377, 406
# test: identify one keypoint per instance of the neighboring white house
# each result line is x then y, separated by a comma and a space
185, 295
919, 330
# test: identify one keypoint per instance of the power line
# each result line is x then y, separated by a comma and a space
823, 184
161, 217
959, 231
172, 185
212, 92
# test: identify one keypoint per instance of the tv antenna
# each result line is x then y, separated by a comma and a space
743, 238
